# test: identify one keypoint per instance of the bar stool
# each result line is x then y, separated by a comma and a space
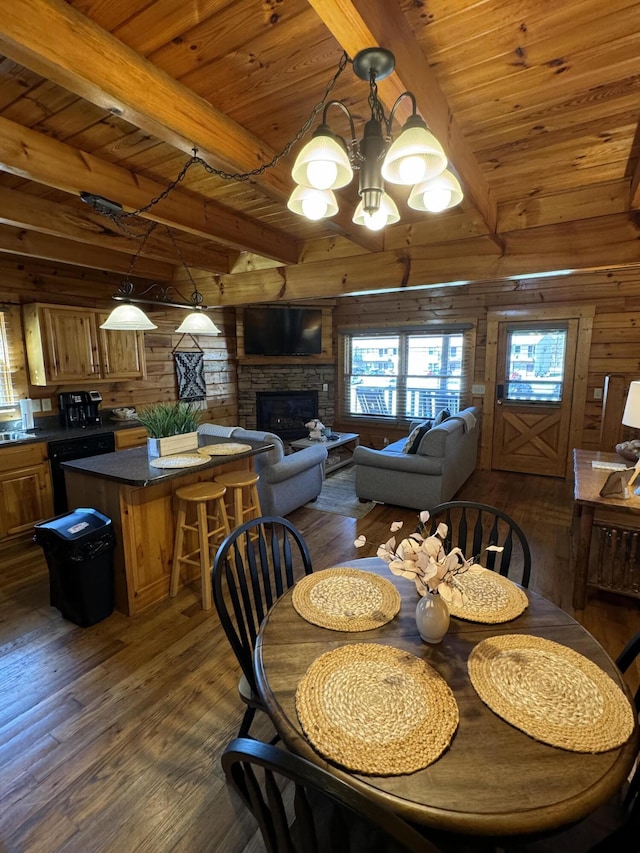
242, 487
208, 526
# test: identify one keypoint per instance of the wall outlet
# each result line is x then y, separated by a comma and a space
46, 404
325, 386
36, 406
597, 393
477, 389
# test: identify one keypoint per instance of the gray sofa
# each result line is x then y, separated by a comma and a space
446, 457
286, 482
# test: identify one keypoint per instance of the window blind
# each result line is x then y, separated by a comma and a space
7, 394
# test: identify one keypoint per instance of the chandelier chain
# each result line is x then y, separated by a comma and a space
260, 170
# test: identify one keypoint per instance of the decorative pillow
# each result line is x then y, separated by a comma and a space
442, 415
413, 442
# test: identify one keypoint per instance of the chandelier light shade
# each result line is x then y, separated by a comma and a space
198, 323
386, 214
323, 163
436, 194
416, 158
313, 203
128, 318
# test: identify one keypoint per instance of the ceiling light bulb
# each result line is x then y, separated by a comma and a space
314, 207
415, 141
411, 169
198, 323
437, 199
128, 318
322, 174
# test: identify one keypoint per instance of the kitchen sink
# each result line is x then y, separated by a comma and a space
14, 435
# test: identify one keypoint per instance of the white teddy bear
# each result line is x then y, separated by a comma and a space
316, 428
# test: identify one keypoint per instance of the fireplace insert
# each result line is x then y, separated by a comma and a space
285, 413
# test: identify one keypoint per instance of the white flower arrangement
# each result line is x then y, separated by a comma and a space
423, 560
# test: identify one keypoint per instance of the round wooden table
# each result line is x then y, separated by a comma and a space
494, 779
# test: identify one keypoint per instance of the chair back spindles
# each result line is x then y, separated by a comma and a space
474, 526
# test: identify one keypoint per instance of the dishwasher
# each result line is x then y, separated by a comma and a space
67, 449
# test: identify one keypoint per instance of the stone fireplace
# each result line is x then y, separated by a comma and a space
285, 413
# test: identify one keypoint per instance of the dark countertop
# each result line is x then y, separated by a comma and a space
56, 432
131, 467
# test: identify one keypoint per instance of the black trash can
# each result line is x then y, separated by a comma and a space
78, 547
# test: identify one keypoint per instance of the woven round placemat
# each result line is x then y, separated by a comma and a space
551, 693
346, 599
223, 449
488, 597
376, 709
187, 461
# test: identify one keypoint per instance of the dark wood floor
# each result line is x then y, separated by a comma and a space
110, 736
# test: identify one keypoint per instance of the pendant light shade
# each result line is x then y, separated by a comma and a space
312, 203
437, 194
386, 214
415, 156
128, 318
198, 323
323, 162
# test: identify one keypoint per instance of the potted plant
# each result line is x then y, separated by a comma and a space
172, 427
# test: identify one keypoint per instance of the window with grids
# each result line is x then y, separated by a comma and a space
404, 375
7, 395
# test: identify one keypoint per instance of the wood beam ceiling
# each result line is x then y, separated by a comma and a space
63, 45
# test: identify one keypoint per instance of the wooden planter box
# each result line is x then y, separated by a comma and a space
172, 444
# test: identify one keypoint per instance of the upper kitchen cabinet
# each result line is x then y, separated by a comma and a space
66, 344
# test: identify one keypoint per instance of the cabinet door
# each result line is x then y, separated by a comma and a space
121, 353
71, 344
127, 438
25, 497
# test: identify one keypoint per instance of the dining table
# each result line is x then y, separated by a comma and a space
492, 779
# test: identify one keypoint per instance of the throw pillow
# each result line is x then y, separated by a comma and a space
442, 415
406, 448
422, 431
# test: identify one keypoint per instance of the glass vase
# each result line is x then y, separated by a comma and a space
432, 617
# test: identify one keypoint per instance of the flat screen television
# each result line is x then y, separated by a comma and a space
282, 331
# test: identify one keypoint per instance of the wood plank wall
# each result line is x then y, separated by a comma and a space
49, 283
615, 345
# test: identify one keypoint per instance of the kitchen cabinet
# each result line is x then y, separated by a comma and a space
25, 488
126, 438
66, 344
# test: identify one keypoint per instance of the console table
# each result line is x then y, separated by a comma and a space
617, 511
340, 450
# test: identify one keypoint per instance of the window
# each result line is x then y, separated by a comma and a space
405, 375
535, 364
7, 396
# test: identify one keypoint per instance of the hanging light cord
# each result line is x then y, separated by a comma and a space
245, 176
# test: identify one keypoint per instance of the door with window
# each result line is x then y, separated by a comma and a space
534, 387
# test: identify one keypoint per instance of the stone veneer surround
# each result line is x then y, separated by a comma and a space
274, 377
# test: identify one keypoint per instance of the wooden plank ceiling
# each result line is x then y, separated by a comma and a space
535, 102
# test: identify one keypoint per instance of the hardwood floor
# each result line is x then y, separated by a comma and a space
110, 736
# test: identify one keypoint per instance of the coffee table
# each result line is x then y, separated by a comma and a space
340, 450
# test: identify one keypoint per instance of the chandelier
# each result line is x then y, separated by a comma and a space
327, 162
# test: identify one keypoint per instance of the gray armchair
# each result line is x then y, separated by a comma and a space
286, 482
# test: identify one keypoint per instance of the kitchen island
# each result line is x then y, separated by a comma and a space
140, 501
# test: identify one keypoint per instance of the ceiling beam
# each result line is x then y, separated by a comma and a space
22, 210
58, 42
608, 242
16, 241
47, 161
358, 24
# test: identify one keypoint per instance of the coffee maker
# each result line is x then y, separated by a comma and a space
79, 408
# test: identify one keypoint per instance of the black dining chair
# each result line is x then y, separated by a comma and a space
472, 526
615, 826
301, 808
254, 565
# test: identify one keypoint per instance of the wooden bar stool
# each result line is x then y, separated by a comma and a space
242, 488
209, 526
